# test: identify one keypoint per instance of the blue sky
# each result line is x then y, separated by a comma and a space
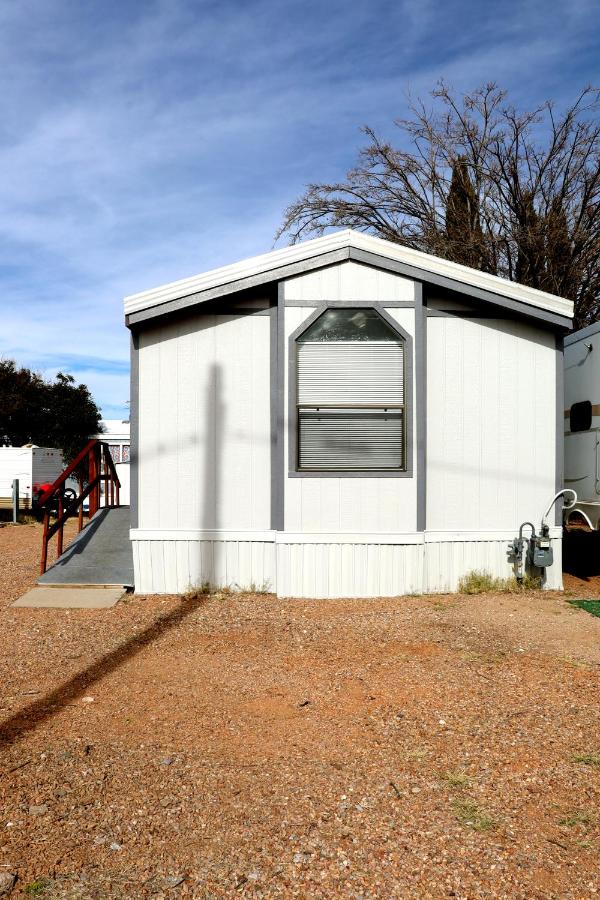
142, 142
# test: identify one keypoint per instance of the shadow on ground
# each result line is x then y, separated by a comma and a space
581, 553
46, 707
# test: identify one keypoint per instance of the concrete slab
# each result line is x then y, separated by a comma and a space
101, 554
71, 598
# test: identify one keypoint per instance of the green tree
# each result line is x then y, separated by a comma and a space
476, 181
59, 413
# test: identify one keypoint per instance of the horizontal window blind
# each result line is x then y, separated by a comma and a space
347, 439
351, 372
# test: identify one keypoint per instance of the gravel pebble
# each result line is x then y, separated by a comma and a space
364, 794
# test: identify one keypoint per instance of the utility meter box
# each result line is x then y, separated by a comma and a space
540, 552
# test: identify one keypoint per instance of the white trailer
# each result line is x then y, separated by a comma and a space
582, 421
345, 417
32, 466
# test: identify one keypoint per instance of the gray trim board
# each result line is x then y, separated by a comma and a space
560, 426
134, 419
293, 472
588, 331
422, 275
342, 255
277, 474
421, 404
272, 275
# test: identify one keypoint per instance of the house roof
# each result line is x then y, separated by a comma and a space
336, 247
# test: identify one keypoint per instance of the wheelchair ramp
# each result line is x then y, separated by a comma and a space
100, 555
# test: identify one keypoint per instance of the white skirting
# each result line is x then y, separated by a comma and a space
323, 565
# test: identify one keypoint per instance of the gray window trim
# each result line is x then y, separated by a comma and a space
293, 472
421, 404
277, 413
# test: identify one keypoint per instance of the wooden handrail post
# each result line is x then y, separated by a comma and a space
91, 476
44, 561
98, 454
80, 512
61, 509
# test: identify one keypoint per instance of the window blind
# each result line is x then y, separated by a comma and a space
350, 405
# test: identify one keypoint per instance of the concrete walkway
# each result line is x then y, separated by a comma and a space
101, 554
55, 596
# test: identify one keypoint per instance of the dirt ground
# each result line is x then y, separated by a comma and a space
443, 746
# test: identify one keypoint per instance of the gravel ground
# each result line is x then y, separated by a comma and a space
443, 746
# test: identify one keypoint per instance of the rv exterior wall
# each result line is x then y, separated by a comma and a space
582, 448
205, 443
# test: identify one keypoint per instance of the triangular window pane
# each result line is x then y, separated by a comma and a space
349, 324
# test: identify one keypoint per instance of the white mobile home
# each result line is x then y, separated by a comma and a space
343, 417
116, 435
582, 420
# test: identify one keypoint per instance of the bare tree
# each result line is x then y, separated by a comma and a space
515, 194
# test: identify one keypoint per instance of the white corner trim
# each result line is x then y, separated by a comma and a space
316, 537
339, 240
344, 537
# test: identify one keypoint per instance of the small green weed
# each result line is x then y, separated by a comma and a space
588, 759
36, 888
469, 814
457, 778
418, 754
578, 817
479, 582
198, 591
590, 606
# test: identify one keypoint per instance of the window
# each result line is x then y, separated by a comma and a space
580, 417
350, 400
125, 458
115, 452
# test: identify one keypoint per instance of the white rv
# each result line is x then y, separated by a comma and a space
582, 421
31, 466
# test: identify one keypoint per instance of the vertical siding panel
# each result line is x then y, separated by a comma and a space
182, 552
158, 566
170, 566
168, 400
220, 564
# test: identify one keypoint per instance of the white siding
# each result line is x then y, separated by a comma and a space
347, 282
491, 420
204, 436
313, 504
174, 566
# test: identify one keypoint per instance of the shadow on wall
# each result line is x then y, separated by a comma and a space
581, 552
213, 465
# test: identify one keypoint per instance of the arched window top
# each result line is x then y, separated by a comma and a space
349, 324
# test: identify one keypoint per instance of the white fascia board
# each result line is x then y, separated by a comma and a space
305, 250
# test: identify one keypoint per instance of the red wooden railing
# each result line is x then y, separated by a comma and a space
94, 460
